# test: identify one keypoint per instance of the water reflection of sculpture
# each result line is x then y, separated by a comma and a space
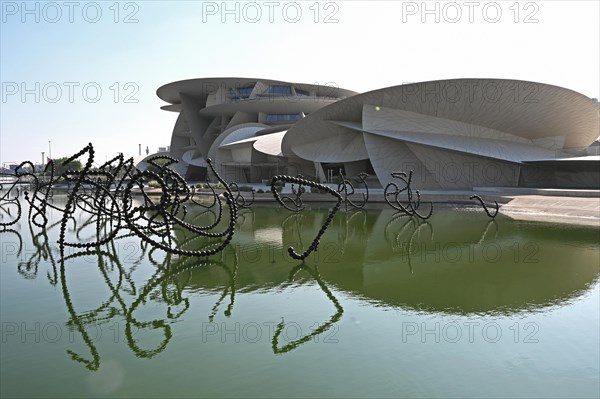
29, 268
6, 203
90, 317
489, 224
108, 261
405, 248
229, 289
347, 221
245, 213
314, 273
293, 222
42, 252
164, 286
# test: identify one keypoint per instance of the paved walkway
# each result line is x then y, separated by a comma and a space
572, 210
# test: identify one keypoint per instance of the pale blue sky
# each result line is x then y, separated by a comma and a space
372, 45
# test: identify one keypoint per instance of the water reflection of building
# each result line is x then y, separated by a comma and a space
461, 263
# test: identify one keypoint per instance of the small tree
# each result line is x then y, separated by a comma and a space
159, 162
73, 165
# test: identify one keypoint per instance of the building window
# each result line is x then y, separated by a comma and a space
240, 92
274, 118
245, 91
280, 90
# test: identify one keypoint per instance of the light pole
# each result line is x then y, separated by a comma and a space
42, 167
49, 149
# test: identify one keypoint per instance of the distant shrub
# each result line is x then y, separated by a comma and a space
207, 186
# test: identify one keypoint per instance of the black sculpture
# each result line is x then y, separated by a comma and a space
303, 182
347, 188
485, 208
411, 207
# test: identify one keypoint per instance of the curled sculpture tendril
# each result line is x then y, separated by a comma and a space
304, 182
485, 207
392, 196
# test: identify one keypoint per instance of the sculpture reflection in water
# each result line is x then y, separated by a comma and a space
403, 243
126, 300
357, 219
43, 252
321, 328
166, 286
229, 289
293, 223
397, 239
490, 223
9, 205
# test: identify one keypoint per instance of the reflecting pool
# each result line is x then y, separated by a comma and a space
388, 306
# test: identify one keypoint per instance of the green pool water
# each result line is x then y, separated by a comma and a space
458, 306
